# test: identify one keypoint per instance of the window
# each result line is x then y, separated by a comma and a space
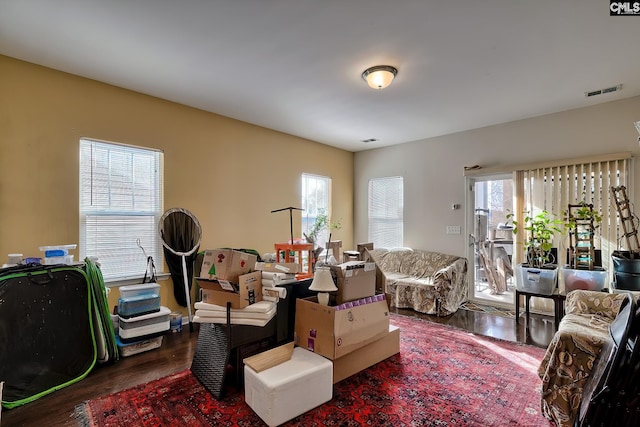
553, 188
386, 206
316, 192
120, 206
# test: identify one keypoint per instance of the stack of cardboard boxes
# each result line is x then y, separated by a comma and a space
226, 276
354, 333
347, 336
236, 277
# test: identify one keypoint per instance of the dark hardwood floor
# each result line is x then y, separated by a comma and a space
176, 353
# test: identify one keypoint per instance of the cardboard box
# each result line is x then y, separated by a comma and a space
355, 280
219, 292
334, 333
226, 264
367, 356
278, 267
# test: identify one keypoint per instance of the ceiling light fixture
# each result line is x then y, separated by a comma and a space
380, 76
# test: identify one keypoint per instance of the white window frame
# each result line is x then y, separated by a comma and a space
315, 198
386, 212
121, 201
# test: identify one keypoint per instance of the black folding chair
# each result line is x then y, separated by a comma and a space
610, 396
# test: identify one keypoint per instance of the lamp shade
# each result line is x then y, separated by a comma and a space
322, 281
380, 76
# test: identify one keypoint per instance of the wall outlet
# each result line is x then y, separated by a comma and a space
454, 229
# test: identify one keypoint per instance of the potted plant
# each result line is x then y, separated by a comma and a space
581, 222
321, 223
540, 271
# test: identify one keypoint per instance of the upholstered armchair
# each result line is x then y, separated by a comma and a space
571, 353
611, 392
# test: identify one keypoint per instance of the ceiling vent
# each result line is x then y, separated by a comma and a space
366, 141
603, 91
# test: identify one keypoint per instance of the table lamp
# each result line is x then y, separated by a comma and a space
323, 284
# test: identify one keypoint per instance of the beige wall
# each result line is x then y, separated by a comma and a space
230, 174
433, 168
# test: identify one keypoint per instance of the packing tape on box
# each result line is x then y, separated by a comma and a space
273, 294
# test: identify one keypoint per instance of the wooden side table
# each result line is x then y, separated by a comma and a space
298, 249
558, 304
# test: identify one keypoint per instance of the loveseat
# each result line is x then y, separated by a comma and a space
572, 351
425, 281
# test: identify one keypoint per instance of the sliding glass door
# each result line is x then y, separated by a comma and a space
491, 239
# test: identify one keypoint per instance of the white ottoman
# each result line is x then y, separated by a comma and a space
289, 389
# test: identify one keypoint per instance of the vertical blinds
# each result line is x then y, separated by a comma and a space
386, 212
554, 188
121, 203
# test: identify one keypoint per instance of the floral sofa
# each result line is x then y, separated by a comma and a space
571, 353
425, 281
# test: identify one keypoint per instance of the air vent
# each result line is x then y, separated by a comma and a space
366, 141
603, 91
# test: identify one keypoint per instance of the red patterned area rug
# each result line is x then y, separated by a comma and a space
442, 377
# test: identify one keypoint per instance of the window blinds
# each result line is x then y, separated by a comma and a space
554, 188
386, 212
121, 203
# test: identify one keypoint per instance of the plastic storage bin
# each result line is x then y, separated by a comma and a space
138, 305
52, 260
57, 250
162, 316
144, 289
141, 326
536, 280
593, 280
57, 254
129, 349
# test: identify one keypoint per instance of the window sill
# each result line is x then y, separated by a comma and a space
133, 280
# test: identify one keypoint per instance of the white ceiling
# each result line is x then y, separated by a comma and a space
295, 65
